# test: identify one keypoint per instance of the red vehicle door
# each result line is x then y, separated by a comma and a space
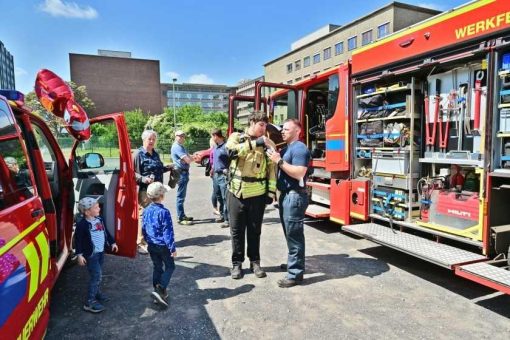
103, 168
337, 128
25, 273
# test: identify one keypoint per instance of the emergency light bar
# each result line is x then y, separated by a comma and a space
13, 95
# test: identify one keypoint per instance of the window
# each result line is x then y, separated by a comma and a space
366, 38
297, 79
327, 53
289, 82
317, 58
339, 48
104, 140
306, 76
289, 68
352, 43
15, 182
306, 62
297, 65
383, 30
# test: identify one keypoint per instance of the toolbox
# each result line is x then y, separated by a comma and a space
399, 182
504, 120
391, 162
454, 210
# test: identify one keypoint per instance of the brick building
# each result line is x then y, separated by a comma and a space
116, 82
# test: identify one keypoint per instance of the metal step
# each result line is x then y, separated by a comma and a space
317, 211
440, 254
486, 274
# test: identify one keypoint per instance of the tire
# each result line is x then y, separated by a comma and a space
204, 161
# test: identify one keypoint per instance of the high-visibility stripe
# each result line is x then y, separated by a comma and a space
21, 236
45, 254
34, 263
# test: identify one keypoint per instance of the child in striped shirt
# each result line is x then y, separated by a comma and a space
91, 238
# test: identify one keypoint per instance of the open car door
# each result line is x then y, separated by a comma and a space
103, 168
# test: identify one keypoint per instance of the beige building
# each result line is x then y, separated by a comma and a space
332, 45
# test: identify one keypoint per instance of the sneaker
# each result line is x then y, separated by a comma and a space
236, 272
188, 218
93, 307
185, 222
160, 295
287, 283
219, 220
225, 224
142, 249
257, 270
216, 212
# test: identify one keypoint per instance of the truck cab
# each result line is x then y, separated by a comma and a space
40, 184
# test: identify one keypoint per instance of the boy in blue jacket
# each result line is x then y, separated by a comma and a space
158, 231
91, 238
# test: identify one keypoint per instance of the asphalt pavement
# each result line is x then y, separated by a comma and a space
353, 289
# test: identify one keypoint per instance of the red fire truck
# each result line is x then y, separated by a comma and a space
40, 184
410, 140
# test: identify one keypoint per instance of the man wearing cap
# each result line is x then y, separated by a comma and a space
181, 160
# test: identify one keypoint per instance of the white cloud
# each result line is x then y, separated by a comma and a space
432, 5
59, 8
172, 75
200, 79
19, 72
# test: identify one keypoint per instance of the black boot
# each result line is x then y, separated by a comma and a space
257, 270
236, 272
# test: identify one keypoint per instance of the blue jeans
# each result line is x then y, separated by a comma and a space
220, 187
292, 207
161, 255
94, 266
182, 185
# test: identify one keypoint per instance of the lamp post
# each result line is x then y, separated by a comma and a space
173, 95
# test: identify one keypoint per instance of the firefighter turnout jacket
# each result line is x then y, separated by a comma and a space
251, 171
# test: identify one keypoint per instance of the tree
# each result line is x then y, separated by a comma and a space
55, 123
136, 121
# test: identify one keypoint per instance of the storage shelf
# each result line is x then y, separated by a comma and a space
503, 106
504, 73
381, 148
452, 161
503, 134
384, 107
385, 90
388, 118
378, 135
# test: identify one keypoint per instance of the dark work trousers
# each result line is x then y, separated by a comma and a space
245, 217
292, 207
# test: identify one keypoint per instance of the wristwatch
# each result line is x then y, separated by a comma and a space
280, 162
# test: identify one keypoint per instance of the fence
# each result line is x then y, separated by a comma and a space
110, 148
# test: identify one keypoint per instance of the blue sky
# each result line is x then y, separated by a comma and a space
203, 41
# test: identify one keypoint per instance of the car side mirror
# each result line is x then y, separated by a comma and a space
92, 160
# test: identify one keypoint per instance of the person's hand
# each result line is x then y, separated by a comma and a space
274, 156
147, 180
81, 260
174, 254
115, 248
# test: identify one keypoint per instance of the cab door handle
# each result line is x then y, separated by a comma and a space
37, 212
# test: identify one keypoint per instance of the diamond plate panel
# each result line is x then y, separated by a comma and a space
485, 270
440, 254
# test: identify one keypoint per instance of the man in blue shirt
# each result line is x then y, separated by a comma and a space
220, 168
291, 182
181, 160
